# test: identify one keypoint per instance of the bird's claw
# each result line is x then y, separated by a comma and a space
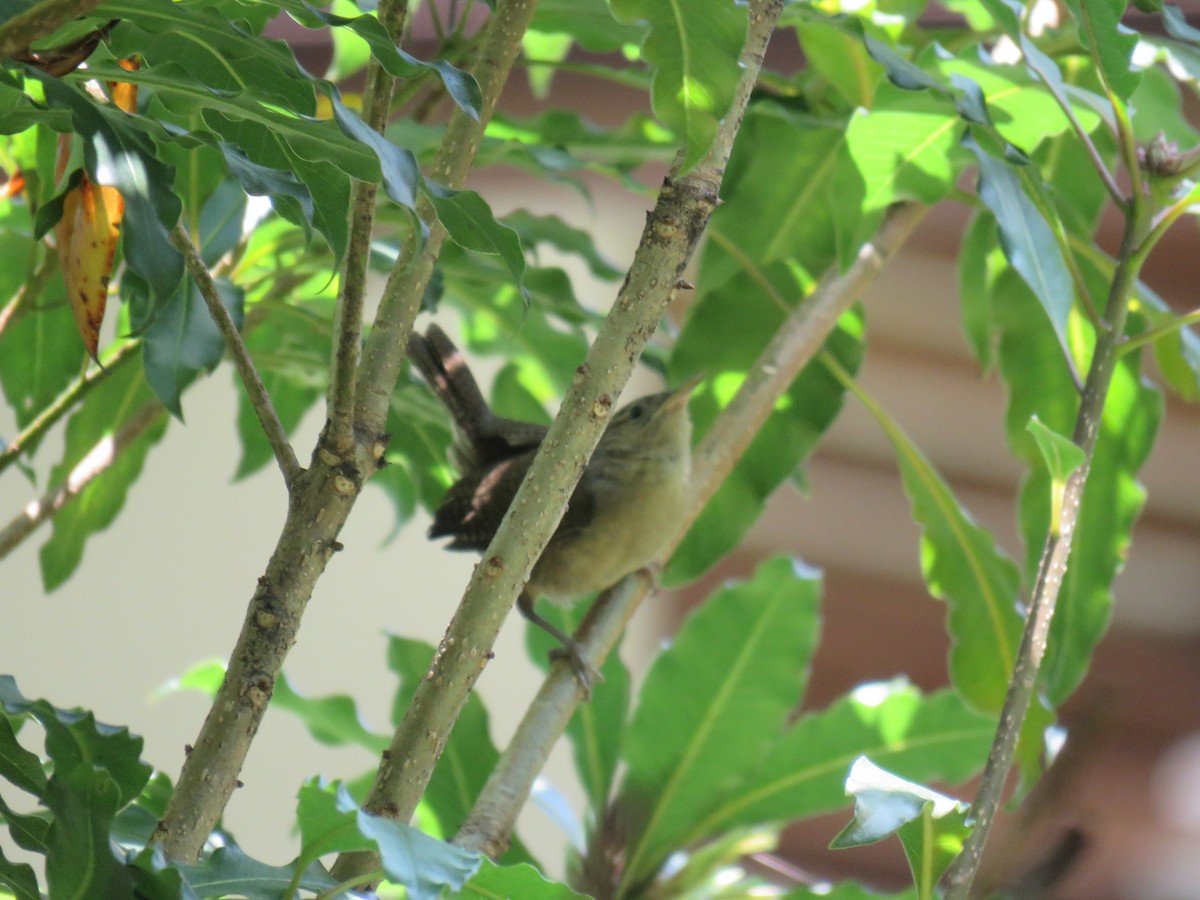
585, 673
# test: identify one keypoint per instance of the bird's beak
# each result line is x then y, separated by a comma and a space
680, 396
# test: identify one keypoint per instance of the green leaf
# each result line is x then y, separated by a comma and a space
221, 222
117, 402
27, 831
424, 865
19, 878
1111, 44
75, 740
229, 870
725, 332
841, 57
332, 720
693, 48
290, 198
1062, 457
117, 154
399, 167
534, 230
964, 566
523, 881
905, 148
597, 728
79, 860
21, 768
324, 827
1026, 238
711, 704
216, 54
469, 221
590, 23
924, 738
930, 825
461, 86
183, 341
40, 353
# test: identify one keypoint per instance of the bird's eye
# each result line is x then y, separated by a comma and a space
635, 411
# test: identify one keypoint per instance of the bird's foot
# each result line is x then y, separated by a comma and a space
585, 673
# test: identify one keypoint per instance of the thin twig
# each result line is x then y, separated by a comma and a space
257, 392
1051, 568
64, 402
1160, 331
94, 464
799, 337
348, 314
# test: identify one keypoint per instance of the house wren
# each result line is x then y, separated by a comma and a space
623, 513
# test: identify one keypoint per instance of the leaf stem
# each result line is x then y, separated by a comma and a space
348, 314
94, 464
259, 398
64, 402
1151, 335
1102, 170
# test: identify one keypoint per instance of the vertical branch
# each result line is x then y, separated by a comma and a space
490, 823
406, 284
1052, 567
348, 314
320, 502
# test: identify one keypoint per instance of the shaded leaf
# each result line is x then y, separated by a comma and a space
695, 66
332, 720
18, 766
183, 341
118, 155
1026, 238
40, 354
711, 704
400, 173
75, 740
120, 400
935, 737
469, 221
1111, 43
19, 878
964, 566
229, 869
424, 865
524, 881
79, 861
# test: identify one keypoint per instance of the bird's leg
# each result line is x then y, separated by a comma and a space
584, 673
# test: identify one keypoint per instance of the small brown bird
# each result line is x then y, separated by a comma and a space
625, 510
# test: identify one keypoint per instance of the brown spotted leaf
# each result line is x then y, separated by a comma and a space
87, 240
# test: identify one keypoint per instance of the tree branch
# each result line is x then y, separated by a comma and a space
93, 465
380, 367
63, 404
321, 500
348, 315
259, 398
1052, 567
802, 334
21, 31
